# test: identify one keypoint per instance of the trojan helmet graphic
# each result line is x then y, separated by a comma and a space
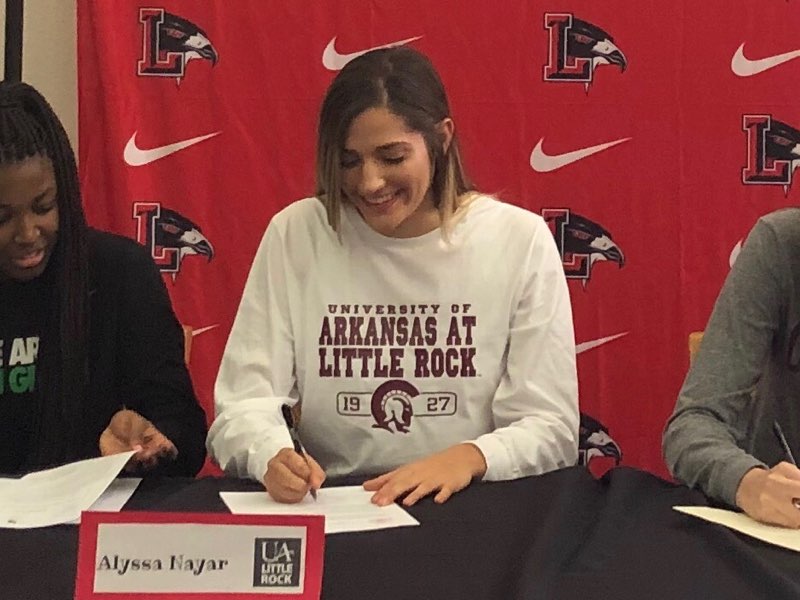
391, 403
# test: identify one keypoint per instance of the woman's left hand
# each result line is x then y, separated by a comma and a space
128, 430
445, 472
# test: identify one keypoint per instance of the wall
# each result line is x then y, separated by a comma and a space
49, 60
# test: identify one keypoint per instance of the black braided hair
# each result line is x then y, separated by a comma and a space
29, 127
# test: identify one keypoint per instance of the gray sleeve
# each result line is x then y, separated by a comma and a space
704, 440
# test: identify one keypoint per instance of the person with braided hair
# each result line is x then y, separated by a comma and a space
91, 353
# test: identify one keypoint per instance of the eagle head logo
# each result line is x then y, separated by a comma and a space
170, 42
170, 236
581, 242
594, 441
576, 48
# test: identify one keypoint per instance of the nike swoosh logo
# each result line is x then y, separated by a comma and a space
196, 332
583, 347
744, 67
136, 157
544, 163
333, 61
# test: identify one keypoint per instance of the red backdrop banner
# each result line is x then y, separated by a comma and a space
650, 135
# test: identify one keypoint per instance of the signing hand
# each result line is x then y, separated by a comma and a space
446, 472
128, 430
768, 496
289, 477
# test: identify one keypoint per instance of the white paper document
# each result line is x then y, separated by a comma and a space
344, 508
114, 498
772, 534
57, 495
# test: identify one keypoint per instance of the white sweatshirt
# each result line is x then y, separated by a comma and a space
399, 348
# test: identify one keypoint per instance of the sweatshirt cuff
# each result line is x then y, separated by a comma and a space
731, 476
262, 451
498, 460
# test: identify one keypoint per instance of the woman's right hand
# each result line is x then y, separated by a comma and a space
291, 476
771, 496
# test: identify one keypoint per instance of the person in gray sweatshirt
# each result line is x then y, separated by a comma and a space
736, 424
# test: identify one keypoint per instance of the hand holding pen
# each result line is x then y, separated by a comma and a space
776, 428
772, 495
298, 447
292, 473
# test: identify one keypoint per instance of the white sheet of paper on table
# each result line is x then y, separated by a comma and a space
114, 497
772, 534
58, 495
344, 508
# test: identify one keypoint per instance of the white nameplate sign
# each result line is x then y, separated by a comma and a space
199, 556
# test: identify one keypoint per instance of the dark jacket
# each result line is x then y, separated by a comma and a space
135, 353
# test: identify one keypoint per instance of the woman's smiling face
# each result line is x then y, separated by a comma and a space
386, 175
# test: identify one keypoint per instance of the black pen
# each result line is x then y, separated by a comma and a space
787, 451
298, 447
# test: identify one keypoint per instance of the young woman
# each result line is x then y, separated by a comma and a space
91, 354
735, 431
425, 328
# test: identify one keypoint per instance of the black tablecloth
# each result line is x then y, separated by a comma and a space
560, 535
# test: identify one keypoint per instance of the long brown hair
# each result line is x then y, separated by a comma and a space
405, 82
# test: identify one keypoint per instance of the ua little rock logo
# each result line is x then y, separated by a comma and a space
576, 48
773, 151
169, 42
169, 235
277, 562
393, 404
581, 243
